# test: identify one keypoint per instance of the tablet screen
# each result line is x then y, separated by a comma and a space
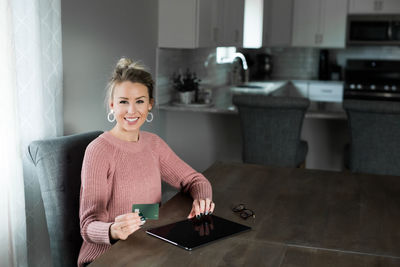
192, 233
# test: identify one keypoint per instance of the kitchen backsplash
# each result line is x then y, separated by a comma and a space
201, 61
289, 63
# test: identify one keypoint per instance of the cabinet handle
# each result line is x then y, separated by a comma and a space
215, 34
236, 36
318, 38
378, 5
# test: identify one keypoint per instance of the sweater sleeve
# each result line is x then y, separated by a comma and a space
94, 196
180, 175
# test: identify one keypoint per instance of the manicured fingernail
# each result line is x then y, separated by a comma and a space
140, 214
201, 214
206, 213
210, 212
143, 218
198, 216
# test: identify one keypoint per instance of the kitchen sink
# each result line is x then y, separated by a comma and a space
258, 87
250, 86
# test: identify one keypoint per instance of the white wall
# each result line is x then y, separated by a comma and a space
96, 33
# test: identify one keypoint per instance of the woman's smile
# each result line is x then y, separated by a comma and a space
132, 121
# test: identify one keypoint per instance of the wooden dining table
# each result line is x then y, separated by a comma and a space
302, 218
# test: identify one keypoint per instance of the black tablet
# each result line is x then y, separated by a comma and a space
192, 233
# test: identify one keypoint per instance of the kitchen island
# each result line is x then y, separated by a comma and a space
329, 108
203, 135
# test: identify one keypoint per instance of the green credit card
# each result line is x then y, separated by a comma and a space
150, 211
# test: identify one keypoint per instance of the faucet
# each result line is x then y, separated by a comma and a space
245, 76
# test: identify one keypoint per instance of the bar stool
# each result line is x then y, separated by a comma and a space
271, 128
374, 135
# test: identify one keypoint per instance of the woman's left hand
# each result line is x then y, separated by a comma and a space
201, 207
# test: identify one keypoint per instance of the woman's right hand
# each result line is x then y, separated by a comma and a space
125, 224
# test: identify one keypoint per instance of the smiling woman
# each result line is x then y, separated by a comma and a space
126, 166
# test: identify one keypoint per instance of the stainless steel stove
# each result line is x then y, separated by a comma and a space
372, 79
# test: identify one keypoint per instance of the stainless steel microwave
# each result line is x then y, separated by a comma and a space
373, 30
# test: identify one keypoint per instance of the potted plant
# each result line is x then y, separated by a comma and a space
187, 86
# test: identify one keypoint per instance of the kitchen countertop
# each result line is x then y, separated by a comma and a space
222, 100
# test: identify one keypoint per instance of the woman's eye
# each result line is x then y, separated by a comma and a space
123, 102
140, 101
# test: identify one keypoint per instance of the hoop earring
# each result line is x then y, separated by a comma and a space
111, 116
151, 117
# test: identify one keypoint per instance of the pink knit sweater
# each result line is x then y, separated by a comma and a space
117, 174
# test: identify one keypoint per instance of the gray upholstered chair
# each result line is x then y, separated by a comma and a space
58, 164
271, 128
374, 135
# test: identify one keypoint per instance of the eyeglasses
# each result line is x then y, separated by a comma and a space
244, 212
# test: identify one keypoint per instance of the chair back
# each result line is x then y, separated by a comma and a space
271, 128
375, 136
58, 163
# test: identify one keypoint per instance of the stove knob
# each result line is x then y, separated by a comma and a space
372, 87
394, 87
359, 86
352, 86
386, 87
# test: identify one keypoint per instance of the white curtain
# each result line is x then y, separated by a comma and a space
31, 109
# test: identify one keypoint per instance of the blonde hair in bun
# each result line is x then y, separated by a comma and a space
128, 70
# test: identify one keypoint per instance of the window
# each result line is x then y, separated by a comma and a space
225, 54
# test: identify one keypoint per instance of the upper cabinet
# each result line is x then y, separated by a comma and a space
233, 14
374, 7
277, 28
319, 23
200, 23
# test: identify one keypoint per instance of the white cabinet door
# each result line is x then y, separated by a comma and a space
216, 17
390, 7
177, 26
233, 13
374, 7
208, 24
362, 6
305, 22
319, 23
277, 26
200, 23
333, 23
189, 23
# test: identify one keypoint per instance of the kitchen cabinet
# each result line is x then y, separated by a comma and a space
325, 91
277, 26
374, 7
319, 23
233, 14
200, 23
321, 91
